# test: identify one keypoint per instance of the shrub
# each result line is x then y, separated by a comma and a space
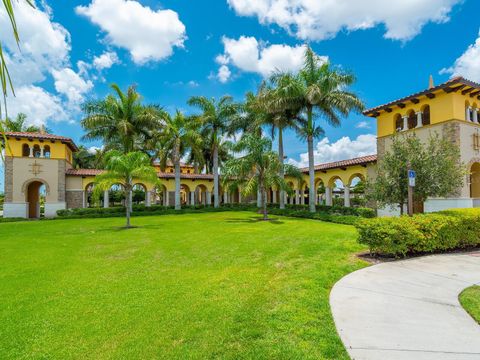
425, 233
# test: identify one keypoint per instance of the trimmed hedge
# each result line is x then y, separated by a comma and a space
423, 233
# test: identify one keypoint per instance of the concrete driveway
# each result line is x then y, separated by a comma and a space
408, 309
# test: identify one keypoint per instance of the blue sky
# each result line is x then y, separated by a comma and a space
72, 51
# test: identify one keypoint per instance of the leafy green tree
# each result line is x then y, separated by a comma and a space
123, 169
121, 121
85, 159
216, 118
257, 170
179, 135
439, 171
19, 125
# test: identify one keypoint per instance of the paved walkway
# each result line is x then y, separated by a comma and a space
408, 309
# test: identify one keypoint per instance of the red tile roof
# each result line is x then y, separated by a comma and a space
40, 136
94, 172
363, 160
447, 86
83, 172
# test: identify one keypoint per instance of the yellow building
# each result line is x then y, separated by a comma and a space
450, 109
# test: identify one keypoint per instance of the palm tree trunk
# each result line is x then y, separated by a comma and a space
178, 205
311, 163
264, 203
127, 207
282, 170
216, 202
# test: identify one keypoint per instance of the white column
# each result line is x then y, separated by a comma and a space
346, 195
239, 196
192, 197
475, 116
419, 120
302, 197
105, 199
41, 152
148, 201
84, 199
165, 197
328, 196
225, 197
405, 122
31, 151
297, 197
467, 113
208, 197
274, 196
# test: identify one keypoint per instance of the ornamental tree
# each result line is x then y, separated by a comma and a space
439, 170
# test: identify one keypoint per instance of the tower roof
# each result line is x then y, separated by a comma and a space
42, 136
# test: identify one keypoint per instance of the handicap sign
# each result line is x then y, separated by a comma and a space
411, 178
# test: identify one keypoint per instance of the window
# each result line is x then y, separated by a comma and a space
36, 151
46, 151
426, 115
25, 150
412, 119
398, 122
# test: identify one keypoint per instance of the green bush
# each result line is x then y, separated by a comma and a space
425, 233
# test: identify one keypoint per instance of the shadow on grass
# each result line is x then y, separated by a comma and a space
254, 219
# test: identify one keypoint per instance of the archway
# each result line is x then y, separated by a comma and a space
355, 190
320, 192
89, 201
184, 194
116, 195
201, 195
139, 192
475, 180
35, 197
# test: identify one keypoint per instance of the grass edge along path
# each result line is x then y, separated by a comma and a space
470, 300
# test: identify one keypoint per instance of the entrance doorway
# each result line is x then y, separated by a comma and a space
35, 199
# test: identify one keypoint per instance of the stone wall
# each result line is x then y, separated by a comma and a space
61, 180
74, 199
8, 179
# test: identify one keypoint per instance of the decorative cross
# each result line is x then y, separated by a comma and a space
35, 168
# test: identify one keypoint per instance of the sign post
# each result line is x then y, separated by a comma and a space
411, 184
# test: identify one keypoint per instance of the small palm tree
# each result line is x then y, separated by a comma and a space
120, 120
215, 121
123, 169
257, 170
179, 135
19, 125
321, 92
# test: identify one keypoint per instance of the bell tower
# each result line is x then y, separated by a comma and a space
35, 167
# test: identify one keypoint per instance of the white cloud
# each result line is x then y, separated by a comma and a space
39, 105
318, 20
249, 55
343, 149
224, 74
70, 84
147, 34
105, 61
363, 125
468, 64
43, 52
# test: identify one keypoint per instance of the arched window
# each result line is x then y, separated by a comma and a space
426, 115
25, 150
468, 112
36, 151
398, 122
412, 119
46, 151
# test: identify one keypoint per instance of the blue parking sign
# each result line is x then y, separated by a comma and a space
411, 177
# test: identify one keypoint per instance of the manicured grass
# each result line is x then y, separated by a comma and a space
470, 300
196, 286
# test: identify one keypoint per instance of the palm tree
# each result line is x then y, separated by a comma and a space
178, 136
323, 94
120, 120
86, 159
19, 125
278, 100
123, 169
257, 170
215, 121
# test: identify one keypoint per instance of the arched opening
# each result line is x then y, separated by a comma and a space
116, 195
201, 195
184, 194
337, 191
412, 119
46, 151
139, 192
398, 122
35, 197
475, 181
320, 193
160, 196
304, 195
89, 201
36, 151
356, 191
289, 193
426, 115
468, 111
25, 150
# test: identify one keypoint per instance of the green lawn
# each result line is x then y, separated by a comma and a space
470, 300
213, 285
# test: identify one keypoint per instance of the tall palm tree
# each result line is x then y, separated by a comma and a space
278, 99
178, 136
19, 125
120, 120
323, 94
257, 170
123, 169
86, 159
215, 121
